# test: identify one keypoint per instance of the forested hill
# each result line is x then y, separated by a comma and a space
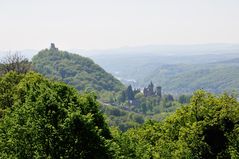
81, 72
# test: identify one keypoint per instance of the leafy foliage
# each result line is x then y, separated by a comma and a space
205, 128
123, 119
8, 85
40, 118
48, 119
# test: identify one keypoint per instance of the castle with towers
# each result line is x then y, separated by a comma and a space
149, 91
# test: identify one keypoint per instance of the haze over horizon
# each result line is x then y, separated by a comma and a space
109, 24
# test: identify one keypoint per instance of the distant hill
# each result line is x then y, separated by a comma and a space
81, 72
217, 77
231, 61
214, 69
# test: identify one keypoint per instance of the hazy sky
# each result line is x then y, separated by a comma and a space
101, 24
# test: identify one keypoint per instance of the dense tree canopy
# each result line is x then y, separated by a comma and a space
206, 128
45, 119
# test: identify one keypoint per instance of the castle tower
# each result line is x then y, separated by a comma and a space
151, 89
53, 47
158, 91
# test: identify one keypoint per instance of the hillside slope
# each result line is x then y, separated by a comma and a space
81, 72
215, 77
